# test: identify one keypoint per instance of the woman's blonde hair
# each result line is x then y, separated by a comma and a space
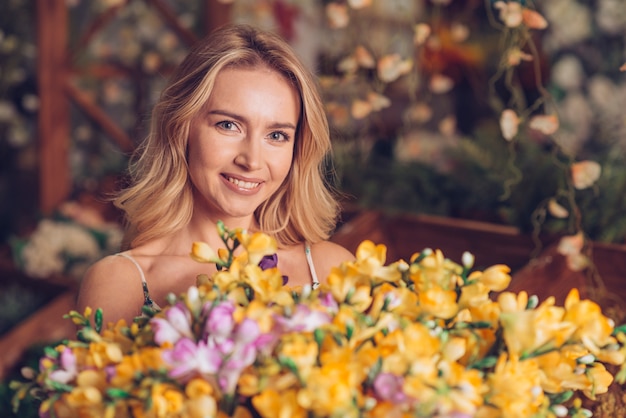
159, 199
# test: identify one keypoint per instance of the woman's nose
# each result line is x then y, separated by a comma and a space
249, 155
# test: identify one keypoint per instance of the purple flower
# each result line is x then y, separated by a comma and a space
220, 323
271, 261
188, 359
175, 325
303, 319
328, 301
67, 370
243, 353
388, 387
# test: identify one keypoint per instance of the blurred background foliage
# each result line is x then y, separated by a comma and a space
425, 139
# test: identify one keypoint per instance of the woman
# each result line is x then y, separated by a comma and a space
239, 135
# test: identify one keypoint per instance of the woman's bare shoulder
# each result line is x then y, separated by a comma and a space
326, 255
113, 284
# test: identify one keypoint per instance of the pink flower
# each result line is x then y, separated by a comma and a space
188, 359
67, 367
303, 319
242, 353
220, 323
174, 326
388, 387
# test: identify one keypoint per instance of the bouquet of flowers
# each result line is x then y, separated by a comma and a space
424, 338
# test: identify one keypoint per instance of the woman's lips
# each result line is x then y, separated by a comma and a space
242, 185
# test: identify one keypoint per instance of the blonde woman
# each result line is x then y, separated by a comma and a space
239, 135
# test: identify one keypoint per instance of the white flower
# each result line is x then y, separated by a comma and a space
570, 22
568, 73
611, 16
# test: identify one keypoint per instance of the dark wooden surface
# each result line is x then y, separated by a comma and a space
537, 270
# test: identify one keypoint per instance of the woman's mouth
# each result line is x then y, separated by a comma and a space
248, 185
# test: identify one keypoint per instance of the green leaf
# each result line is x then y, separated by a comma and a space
98, 319
51, 352
484, 363
58, 386
620, 329
374, 371
117, 393
319, 335
349, 331
560, 398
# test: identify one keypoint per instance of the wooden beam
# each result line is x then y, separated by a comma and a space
174, 22
53, 119
96, 114
216, 14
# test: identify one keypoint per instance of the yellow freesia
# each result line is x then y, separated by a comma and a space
592, 328
257, 245
267, 285
495, 278
203, 253
302, 350
438, 302
271, 404
515, 387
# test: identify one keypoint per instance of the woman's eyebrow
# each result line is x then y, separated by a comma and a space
275, 125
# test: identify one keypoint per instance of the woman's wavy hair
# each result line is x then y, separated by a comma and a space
159, 199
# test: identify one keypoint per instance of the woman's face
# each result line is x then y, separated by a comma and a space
241, 144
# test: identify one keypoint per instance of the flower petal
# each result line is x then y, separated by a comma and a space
585, 174
509, 124
533, 19
546, 124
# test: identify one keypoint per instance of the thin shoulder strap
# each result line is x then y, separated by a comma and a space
129, 257
309, 260
147, 300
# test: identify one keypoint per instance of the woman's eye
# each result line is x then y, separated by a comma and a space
279, 136
228, 125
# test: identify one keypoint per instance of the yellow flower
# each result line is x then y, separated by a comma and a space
84, 401
438, 302
167, 400
104, 353
370, 262
331, 389
461, 389
435, 270
258, 311
257, 245
201, 407
302, 350
475, 294
511, 302
495, 278
530, 330
592, 328
515, 387
142, 360
271, 404
200, 402
203, 253
350, 287
399, 300
268, 285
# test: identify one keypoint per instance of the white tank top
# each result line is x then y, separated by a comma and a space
147, 300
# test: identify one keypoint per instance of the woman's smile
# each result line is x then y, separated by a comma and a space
242, 185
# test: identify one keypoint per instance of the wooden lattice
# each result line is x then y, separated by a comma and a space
57, 76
